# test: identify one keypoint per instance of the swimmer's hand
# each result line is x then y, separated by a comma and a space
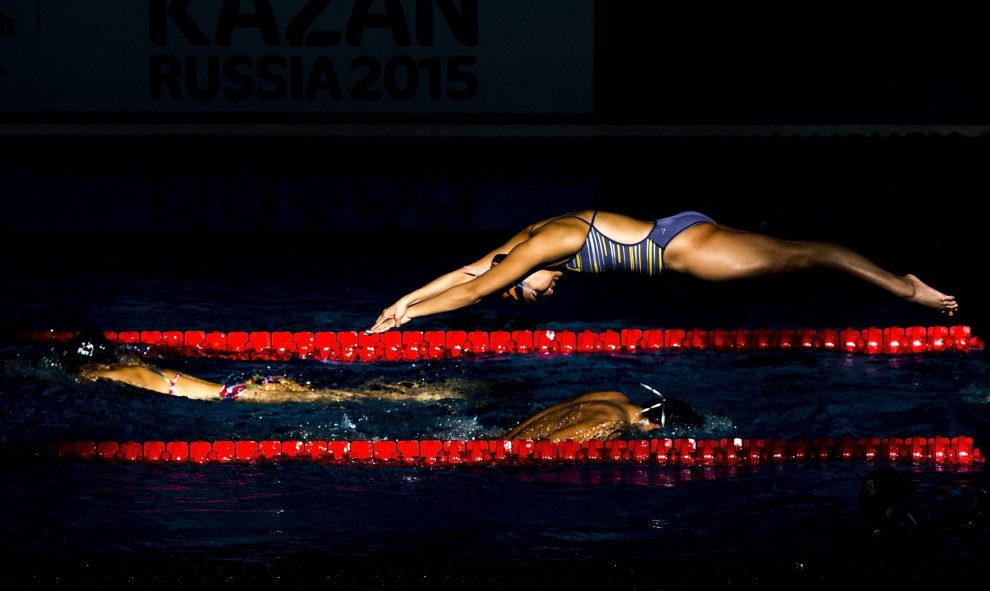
384, 325
392, 317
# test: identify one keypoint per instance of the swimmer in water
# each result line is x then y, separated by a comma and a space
593, 415
93, 356
603, 415
527, 267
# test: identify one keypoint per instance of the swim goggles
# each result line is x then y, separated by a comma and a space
661, 405
518, 292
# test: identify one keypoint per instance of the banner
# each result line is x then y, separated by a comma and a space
297, 56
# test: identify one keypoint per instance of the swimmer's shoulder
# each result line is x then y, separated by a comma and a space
580, 217
613, 396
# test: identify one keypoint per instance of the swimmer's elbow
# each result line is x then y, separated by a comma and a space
470, 302
471, 296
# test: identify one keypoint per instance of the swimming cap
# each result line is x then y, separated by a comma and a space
673, 412
88, 347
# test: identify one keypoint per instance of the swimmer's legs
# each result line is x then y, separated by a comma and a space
720, 254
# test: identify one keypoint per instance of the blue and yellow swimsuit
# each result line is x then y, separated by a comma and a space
600, 253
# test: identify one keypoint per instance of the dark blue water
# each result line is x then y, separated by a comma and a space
211, 252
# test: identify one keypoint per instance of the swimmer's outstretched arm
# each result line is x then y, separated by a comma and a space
468, 285
397, 314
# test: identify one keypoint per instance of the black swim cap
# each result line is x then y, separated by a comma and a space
88, 347
673, 412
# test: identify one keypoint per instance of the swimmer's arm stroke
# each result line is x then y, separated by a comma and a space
587, 428
470, 284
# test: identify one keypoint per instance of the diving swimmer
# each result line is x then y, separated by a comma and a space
528, 266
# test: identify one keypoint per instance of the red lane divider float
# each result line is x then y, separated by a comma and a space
954, 451
415, 345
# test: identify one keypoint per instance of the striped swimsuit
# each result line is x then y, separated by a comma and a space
600, 253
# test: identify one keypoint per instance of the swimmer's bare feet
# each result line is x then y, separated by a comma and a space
931, 297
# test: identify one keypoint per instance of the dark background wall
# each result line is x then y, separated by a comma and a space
661, 62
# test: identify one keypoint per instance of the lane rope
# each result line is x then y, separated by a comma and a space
411, 345
415, 345
956, 451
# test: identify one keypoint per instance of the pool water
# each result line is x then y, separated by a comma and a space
71, 523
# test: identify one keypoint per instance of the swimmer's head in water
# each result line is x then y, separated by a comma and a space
519, 292
670, 411
88, 347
